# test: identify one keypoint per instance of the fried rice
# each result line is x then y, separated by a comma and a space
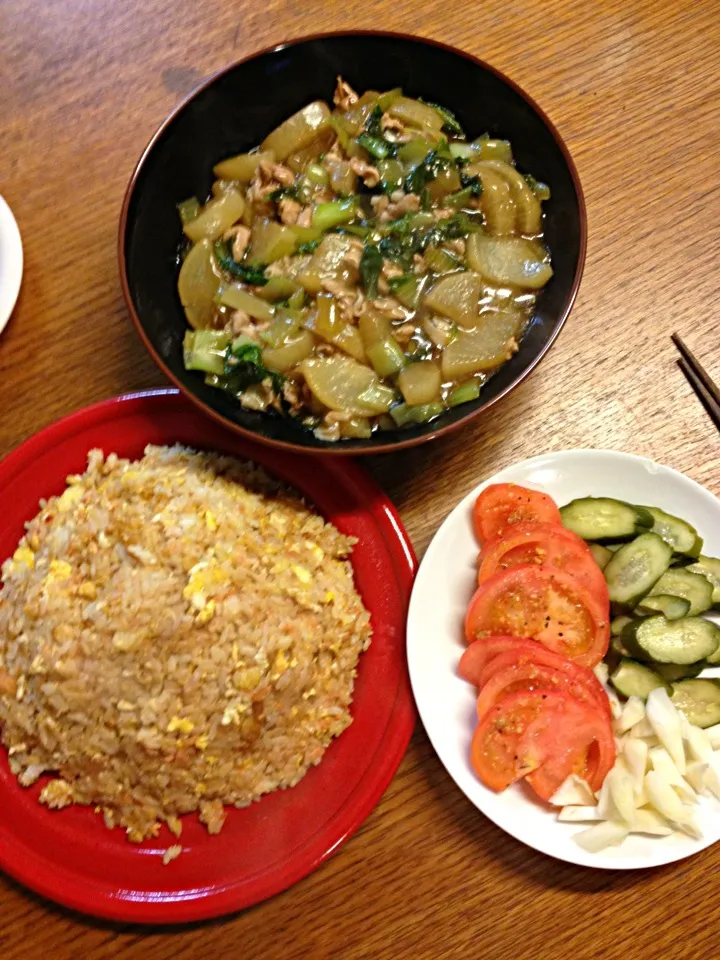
177, 634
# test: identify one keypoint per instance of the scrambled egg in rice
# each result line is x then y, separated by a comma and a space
177, 634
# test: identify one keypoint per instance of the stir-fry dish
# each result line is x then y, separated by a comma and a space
364, 268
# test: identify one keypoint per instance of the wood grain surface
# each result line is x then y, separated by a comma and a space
633, 86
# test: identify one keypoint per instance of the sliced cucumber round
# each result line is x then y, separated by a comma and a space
633, 679
636, 567
681, 582
699, 700
672, 641
601, 554
602, 518
618, 624
672, 608
672, 672
681, 536
709, 567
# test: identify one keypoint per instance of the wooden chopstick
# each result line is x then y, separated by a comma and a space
700, 381
697, 368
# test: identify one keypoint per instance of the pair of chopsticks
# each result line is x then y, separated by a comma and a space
700, 380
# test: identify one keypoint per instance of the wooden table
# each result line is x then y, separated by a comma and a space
633, 87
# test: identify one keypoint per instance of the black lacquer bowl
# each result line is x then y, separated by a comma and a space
234, 110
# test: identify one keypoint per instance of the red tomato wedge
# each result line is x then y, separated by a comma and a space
542, 544
581, 743
509, 673
544, 736
544, 604
495, 751
483, 651
503, 504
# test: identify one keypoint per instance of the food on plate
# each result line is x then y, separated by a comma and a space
660, 585
531, 664
540, 719
501, 505
543, 736
177, 634
545, 604
542, 544
365, 267
533, 629
665, 764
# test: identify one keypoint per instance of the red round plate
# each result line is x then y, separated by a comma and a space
70, 856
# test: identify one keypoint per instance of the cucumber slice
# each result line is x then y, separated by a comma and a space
601, 554
709, 567
672, 608
699, 700
618, 625
672, 672
632, 679
672, 641
681, 582
636, 567
682, 537
681, 560
601, 518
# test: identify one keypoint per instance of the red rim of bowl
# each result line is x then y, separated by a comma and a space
338, 450
68, 886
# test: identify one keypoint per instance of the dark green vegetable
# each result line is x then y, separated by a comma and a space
244, 366
541, 190
373, 139
450, 121
371, 264
460, 199
373, 126
424, 173
376, 146
407, 288
309, 247
404, 238
254, 275
474, 184
283, 193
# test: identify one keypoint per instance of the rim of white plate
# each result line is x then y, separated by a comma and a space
434, 679
11, 262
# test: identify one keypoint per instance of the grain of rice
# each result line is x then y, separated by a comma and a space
180, 634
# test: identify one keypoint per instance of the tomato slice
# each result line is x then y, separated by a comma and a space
544, 604
580, 742
544, 736
503, 504
481, 652
495, 750
509, 673
542, 544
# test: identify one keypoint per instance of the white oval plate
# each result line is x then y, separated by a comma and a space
443, 587
11, 262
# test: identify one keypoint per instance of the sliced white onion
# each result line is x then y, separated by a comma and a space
635, 753
648, 821
661, 762
609, 833
573, 791
664, 799
579, 814
665, 721
632, 713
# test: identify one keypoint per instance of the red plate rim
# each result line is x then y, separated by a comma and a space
64, 882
